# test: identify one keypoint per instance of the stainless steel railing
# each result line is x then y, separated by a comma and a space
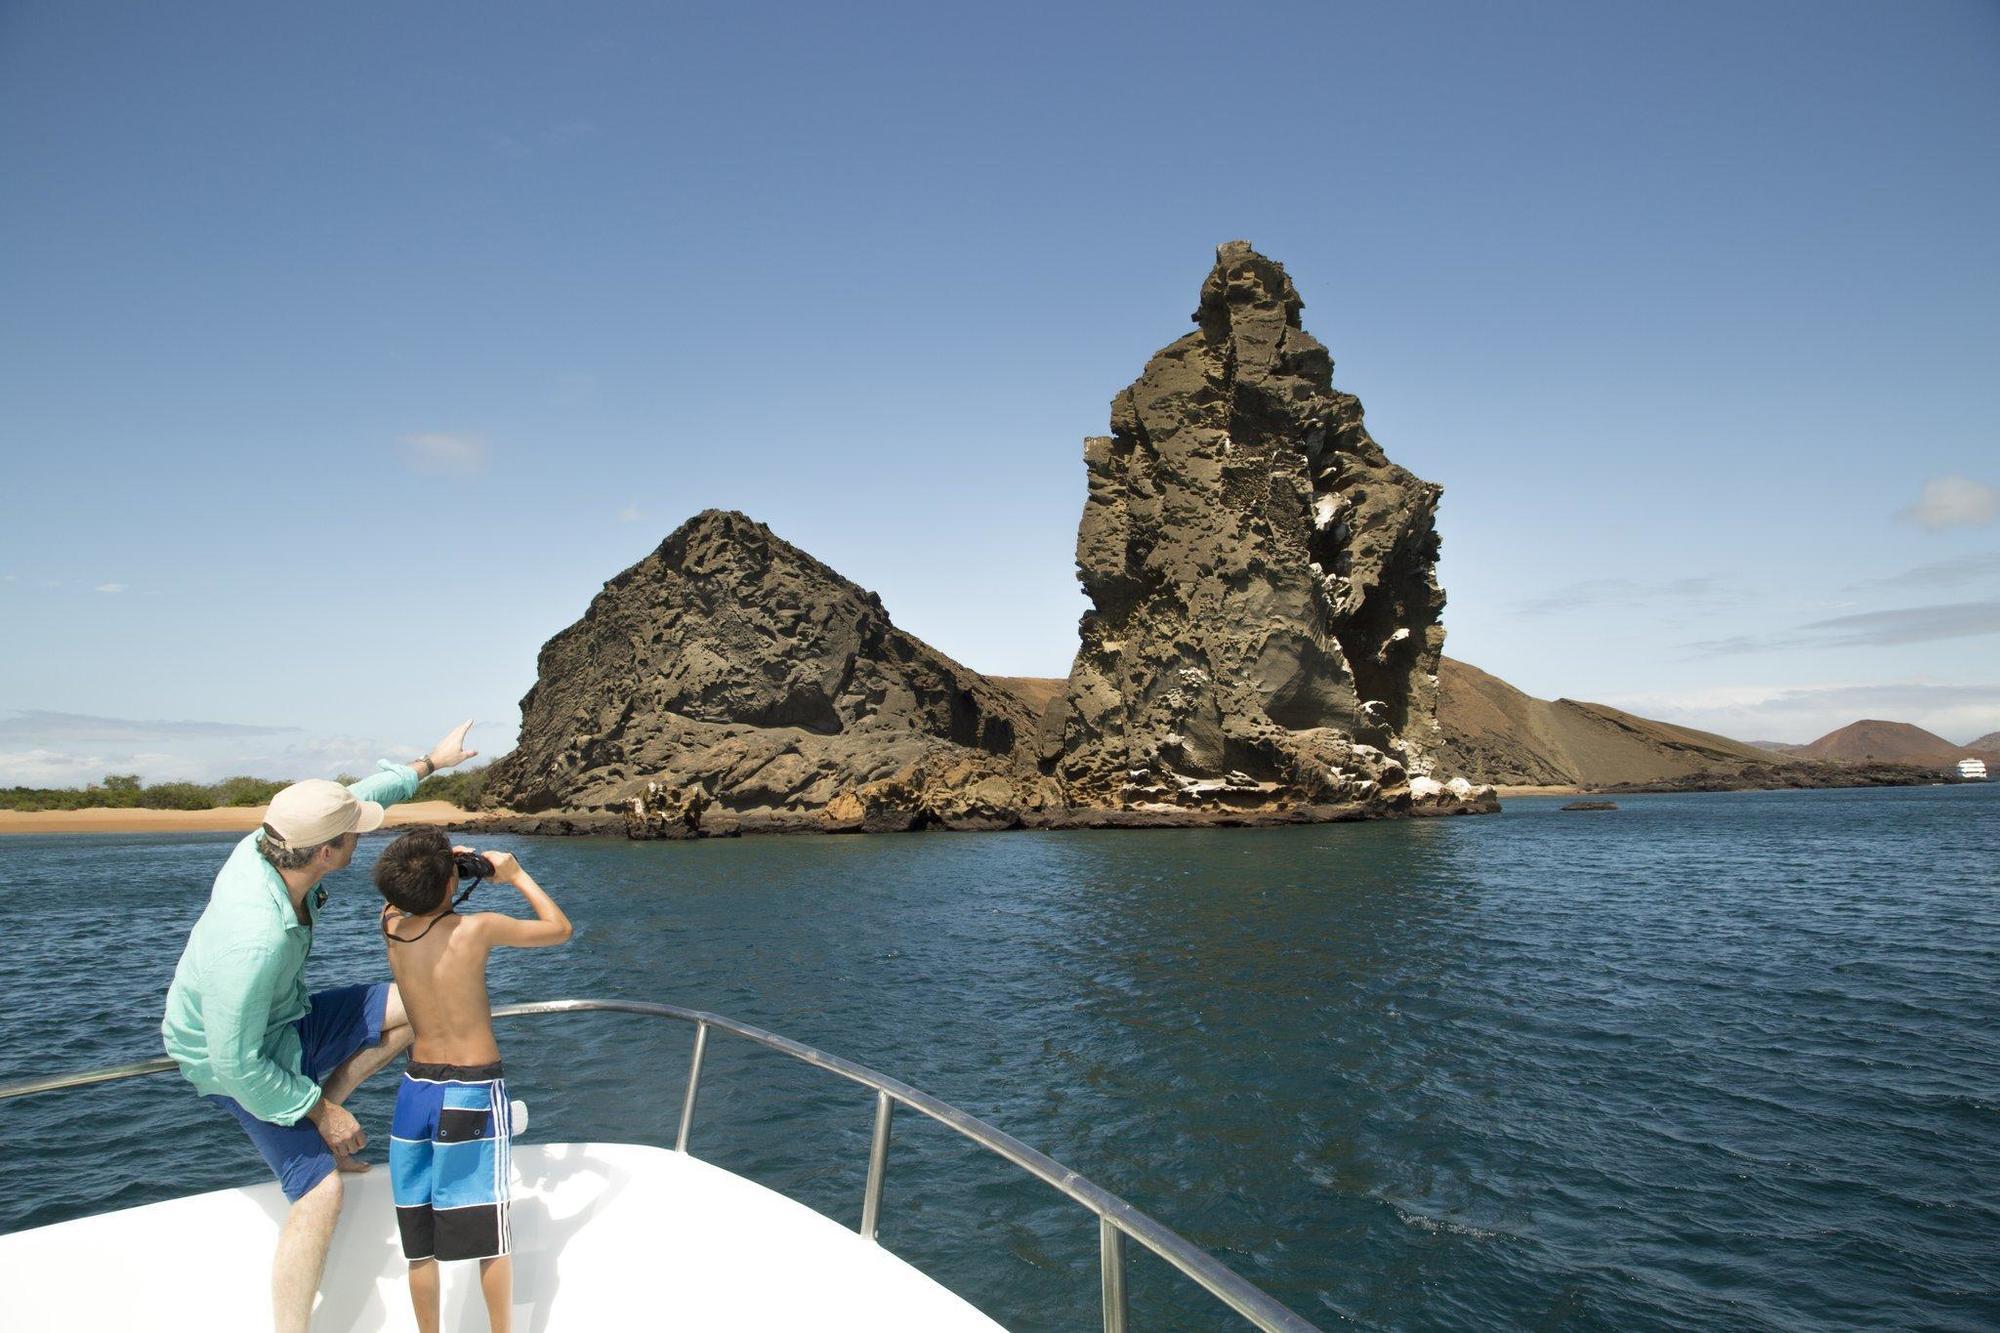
1116, 1219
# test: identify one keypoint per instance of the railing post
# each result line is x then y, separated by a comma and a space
878, 1162
1111, 1259
694, 1085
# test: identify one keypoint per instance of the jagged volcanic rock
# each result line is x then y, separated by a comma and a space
1263, 648
731, 663
1265, 628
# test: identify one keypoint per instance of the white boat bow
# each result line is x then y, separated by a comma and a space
605, 1236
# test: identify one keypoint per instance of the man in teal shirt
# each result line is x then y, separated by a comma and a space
247, 1035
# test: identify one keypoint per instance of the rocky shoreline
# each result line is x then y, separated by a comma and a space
1775, 777
603, 824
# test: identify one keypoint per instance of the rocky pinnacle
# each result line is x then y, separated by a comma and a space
1264, 626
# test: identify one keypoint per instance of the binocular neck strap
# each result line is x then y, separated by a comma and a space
394, 938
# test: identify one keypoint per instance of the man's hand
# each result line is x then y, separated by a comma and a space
451, 751
341, 1131
506, 870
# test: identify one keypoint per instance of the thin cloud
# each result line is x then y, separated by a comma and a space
1870, 629
111, 587
629, 514
1953, 502
1737, 644
47, 727
1917, 624
42, 748
41, 767
1799, 714
1952, 573
440, 453
1625, 592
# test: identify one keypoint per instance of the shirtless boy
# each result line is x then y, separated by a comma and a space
450, 1137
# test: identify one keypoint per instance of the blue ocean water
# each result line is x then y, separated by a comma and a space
1718, 1061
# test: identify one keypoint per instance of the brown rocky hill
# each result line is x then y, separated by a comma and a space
1987, 744
1495, 733
1262, 646
732, 662
1873, 741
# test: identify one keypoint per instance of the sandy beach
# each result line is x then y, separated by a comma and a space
239, 819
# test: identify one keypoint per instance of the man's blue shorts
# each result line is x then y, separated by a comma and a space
338, 1023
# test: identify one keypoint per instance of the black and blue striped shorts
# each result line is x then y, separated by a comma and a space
449, 1151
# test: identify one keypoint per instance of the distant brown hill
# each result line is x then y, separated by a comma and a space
1872, 740
1495, 733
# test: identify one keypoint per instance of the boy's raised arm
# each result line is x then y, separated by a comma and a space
549, 927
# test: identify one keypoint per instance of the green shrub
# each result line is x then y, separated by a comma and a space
178, 796
461, 789
124, 791
246, 791
42, 798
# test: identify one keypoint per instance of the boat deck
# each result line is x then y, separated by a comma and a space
606, 1236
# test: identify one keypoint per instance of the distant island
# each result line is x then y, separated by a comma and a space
1573, 748
1264, 645
1495, 733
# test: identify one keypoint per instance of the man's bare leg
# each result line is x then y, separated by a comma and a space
424, 1293
301, 1257
348, 1075
496, 1284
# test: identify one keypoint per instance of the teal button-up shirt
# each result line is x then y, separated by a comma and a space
241, 984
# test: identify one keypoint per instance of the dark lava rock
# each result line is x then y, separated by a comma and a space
1591, 805
731, 663
1264, 630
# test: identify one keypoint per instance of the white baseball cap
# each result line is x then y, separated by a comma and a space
309, 813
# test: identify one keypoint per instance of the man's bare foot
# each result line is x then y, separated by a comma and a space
353, 1165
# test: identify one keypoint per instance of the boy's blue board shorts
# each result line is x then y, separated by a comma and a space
337, 1023
449, 1155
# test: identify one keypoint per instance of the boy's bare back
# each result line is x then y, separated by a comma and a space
439, 962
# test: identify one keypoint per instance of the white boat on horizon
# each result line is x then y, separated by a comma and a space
1971, 770
605, 1235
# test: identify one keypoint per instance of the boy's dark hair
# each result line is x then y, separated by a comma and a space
414, 871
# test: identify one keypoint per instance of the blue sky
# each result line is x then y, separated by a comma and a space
346, 350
